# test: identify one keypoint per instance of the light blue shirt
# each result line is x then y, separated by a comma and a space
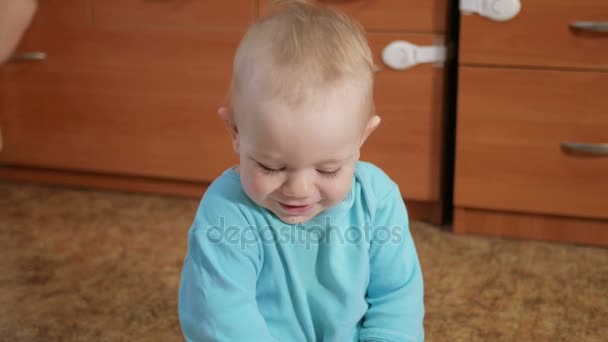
349, 274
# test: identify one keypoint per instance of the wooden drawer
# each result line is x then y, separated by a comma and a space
407, 145
62, 12
119, 102
510, 126
394, 15
538, 36
180, 13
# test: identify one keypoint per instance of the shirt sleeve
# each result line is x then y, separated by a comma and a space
395, 291
217, 296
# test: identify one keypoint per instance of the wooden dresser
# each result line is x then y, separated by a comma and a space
126, 97
532, 123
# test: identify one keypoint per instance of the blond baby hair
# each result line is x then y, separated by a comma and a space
297, 49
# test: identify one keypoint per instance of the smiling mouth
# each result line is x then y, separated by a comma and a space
295, 209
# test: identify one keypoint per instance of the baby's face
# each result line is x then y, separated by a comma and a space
298, 161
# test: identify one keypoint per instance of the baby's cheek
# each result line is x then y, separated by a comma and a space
255, 186
339, 189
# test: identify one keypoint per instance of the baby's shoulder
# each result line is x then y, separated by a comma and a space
375, 183
224, 197
227, 187
224, 218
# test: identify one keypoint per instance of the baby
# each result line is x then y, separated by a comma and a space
301, 241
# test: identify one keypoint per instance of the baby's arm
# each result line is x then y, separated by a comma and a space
395, 290
217, 297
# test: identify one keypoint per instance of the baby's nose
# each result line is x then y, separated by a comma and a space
297, 186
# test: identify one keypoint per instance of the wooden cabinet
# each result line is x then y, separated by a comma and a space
393, 15
74, 13
527, 100
510, 147
542, 35
137, 100
219, 15
127, 95
407, 144
132, 102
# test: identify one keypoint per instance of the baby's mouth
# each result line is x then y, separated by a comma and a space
295, 209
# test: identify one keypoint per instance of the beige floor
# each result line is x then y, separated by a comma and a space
104, 266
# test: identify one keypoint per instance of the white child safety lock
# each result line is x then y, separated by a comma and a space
400, 55
499, 10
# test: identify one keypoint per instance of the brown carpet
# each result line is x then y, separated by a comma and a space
104, 266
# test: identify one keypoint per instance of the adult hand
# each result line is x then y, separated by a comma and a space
15, 17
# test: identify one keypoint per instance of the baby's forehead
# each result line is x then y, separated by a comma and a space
298, 91
329, 109
316, 127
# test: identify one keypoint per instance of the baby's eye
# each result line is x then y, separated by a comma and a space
329, 174
267, 169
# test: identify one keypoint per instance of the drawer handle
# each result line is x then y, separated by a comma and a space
585, 148
592, 26
27, 57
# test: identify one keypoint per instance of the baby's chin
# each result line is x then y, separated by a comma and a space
296, 219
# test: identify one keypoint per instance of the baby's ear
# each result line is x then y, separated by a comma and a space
372, 124
226, 114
